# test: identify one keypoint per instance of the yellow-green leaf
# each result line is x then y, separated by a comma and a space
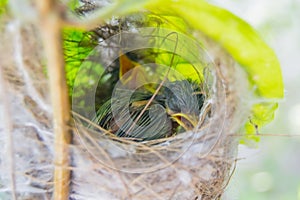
243, 43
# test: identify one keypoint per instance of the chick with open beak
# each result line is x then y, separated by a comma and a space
174, 108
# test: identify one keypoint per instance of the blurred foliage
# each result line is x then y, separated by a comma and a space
78, 44
3, 5
73, 4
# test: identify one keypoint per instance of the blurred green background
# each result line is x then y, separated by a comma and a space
271, 170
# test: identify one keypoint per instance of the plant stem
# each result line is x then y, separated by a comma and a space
51, 27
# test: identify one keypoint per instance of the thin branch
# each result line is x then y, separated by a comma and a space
51, 27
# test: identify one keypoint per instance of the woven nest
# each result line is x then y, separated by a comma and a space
196, 164
192, 165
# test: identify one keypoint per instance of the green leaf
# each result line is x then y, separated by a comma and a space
243, 43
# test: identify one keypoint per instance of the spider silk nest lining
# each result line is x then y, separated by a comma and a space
191, 165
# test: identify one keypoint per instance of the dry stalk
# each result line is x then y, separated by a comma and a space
51, 27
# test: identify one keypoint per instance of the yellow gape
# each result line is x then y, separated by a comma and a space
131, 73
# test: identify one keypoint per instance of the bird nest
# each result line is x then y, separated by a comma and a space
193, 164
